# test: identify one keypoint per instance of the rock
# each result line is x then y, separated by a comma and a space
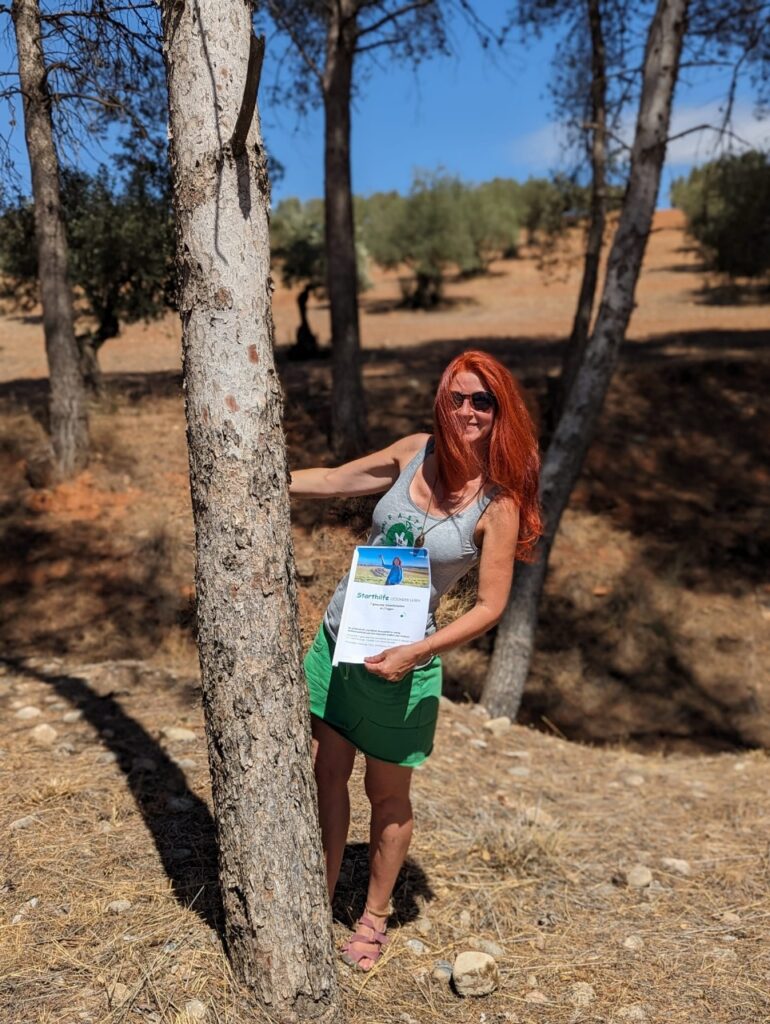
679, 867
638, 877
519, 772
487, 946
74, 716
465, 919
104, 827
479, 710
424, 926
195, 1009
305, 569
634, 780
442, 971
582, 994
523, 754
536, 815
33, 902
26, 822
118, 993
729, 917
45, 735
475, 974
461, 730
118, 906
415, 946
536, 996
186, 762
27, 712
179, 803
635, 1012
478, 744
634, 943
108, 757
176, 734
497, 726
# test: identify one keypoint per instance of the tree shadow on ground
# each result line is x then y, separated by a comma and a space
733, 293
185, 841
350, 895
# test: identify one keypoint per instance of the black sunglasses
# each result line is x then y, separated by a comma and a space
482, 401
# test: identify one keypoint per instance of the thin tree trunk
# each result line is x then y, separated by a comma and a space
564, 459
277, 917
348, 413
68, 404
578, 340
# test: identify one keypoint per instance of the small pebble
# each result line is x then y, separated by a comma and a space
118, 906
26, 822
634, 780
635, 1012
461, 730
679, 867
728, 918
536, 996
415, 946
43, 734
27, 712
72, 716
638, 877
536, 815
634, 943
195, 1009
442, 971
465, 919
108, 757
176, 734
186, 762
487, 946
118, 993
582, 994
424, 926
478, 744
497, 726
519, 772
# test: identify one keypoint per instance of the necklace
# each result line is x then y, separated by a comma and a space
420, 539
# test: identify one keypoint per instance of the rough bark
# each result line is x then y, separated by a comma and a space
348, 412
566, 452
580, 327
68, 403
277, 917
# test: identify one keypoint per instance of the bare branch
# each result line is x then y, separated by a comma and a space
283, 23
393, 16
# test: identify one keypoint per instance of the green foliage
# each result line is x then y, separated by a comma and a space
121, 241
727, 205
297, 242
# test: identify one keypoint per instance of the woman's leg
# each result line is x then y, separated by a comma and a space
387, 787
333, 759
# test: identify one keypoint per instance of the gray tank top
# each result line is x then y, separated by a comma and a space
397, 522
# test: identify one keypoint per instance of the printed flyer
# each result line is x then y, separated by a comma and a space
386, 602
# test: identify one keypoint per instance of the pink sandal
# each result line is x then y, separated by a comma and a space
379, 939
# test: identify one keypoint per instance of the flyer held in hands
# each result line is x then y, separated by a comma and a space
386, 602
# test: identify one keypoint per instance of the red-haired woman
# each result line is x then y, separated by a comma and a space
468, 494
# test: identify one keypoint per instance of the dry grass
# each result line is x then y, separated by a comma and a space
550, 893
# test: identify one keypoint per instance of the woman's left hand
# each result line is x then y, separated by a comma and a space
394, 663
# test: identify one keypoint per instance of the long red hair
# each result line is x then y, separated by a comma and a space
512, 463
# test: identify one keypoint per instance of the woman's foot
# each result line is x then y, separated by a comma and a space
364, 949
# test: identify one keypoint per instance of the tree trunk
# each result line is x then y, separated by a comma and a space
277, 916
578, 340
348, 412
68, 404
566, 452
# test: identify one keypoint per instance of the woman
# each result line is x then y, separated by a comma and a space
396, 573
468, 494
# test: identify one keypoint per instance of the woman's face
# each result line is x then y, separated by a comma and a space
476, 423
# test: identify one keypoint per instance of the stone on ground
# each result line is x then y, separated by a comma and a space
634, 943
415, 946
679, 867
442, 971
195, 1009
118, 906
27, 712
638, 877
475, 974
536, 815
488, 946
582, 994
26, 822
176, 734
497, 726
44, 734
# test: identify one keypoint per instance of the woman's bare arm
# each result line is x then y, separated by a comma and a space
371, 474
501, 528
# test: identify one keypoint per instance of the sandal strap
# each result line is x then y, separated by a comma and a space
379, 937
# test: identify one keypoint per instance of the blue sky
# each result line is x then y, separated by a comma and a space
475, 116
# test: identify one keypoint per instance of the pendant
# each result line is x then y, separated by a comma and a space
419, 540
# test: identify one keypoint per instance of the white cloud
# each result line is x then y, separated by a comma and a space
543, 149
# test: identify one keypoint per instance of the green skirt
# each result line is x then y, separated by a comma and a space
393, 722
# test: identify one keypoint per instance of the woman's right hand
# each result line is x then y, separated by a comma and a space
371, 474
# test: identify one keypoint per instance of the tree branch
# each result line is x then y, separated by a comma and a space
393, 16
250, 89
